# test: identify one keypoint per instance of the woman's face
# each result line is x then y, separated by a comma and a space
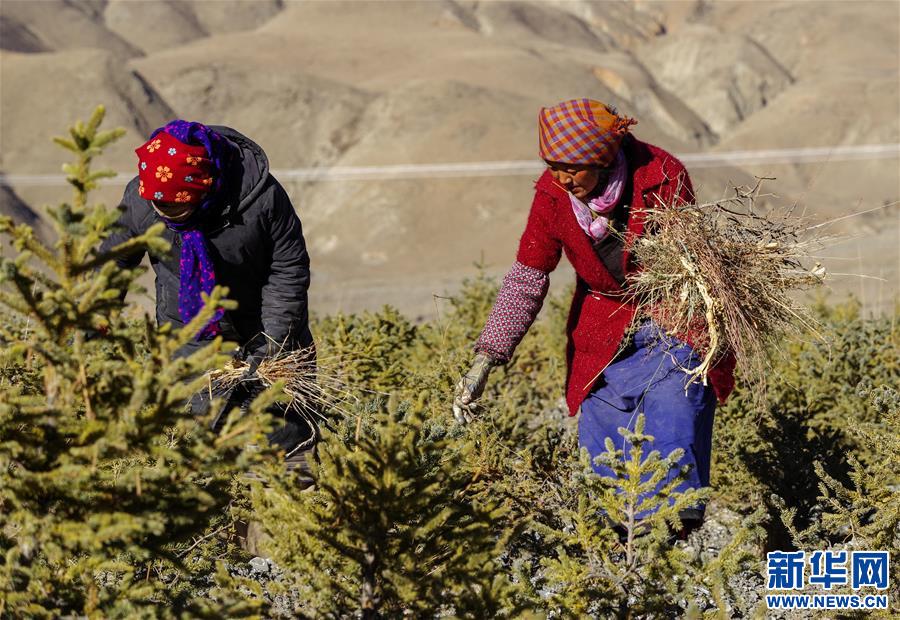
173, 211
579, 179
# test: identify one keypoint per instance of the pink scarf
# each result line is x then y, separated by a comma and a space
592, 217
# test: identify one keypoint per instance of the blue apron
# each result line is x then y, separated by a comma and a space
648, 377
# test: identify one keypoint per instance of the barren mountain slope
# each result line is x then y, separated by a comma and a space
346, 83
54, 25
156, 25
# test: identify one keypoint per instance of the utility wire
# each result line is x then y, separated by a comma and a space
836, 153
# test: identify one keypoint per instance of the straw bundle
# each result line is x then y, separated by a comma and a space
313, 385
723, 274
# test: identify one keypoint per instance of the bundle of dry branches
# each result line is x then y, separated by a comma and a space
314, 386
723, 275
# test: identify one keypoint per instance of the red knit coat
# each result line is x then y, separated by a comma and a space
599, 317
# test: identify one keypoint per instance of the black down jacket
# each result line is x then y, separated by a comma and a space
257, 247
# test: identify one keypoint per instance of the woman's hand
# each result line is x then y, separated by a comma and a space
470, 387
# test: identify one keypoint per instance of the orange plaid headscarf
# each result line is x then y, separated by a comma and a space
581, 131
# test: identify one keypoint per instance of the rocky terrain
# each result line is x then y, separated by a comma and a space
337, 83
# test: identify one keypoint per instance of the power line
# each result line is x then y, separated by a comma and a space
805, 155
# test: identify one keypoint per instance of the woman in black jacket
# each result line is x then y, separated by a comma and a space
229, 223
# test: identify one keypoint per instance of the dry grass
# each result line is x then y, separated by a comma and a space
314, 386
724, 274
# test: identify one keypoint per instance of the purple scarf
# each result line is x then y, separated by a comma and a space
197, 276
197, 273
593, 216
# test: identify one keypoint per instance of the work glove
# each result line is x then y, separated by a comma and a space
470, 388
252, 361
256, 350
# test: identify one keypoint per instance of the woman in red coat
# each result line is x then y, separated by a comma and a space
591, 204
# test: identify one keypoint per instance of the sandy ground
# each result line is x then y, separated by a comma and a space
380, 83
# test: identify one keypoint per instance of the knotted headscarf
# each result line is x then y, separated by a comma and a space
188, 163
581, 131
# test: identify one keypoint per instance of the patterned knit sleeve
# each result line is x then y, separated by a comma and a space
518, 304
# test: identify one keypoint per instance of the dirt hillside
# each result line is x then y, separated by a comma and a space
382, 83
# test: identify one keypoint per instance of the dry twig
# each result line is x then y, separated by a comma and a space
723, 275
